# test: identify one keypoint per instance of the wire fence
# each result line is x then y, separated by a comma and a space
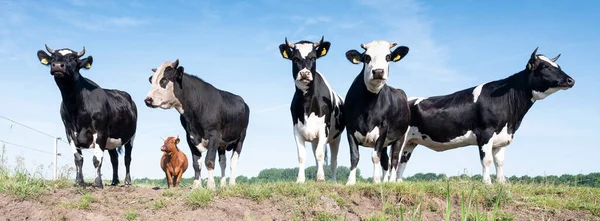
32, 148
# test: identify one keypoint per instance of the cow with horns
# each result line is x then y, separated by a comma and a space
94, 117
487, 115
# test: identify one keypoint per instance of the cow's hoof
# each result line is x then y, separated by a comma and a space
197, 184
79, 184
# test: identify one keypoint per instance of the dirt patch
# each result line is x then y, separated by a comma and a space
139, 203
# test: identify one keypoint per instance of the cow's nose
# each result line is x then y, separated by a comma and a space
148, 101
304, 74
377, 73
58, 67
570, 82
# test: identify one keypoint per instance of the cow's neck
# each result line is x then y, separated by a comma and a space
516, 94
69, 88
192, 85
313, 90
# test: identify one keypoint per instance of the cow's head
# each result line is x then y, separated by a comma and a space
164, 81
376, 60
303, 55
64, 63
170, 145
545, 76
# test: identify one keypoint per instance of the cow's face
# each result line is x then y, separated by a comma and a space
376, 60
546, 77
303, 55
170, 145
64, 63
164, 80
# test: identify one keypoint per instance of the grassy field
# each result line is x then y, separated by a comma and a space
23, 196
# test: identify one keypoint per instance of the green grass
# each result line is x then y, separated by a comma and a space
199, 198
159, 204
131, 215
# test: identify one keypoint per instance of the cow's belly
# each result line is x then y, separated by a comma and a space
466, 139
503, 138
311, 128
370, 138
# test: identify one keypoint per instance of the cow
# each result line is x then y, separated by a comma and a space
173, 161
93, 117
316, 109
487, 115
215, 120
376, 114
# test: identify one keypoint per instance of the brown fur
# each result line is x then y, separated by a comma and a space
173, 161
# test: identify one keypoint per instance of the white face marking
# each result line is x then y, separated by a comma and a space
477, 92
65, 52
112, 143
163, 97
202, 146
302, 84
369, 139
312, 127
544, 58
377, 50
304, 49
541, 95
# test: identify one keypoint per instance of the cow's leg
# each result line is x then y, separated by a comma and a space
301, 156
485, 141
376, 157
235, 157
169, 178
406, 153
100, 141
114, 161
213, 144
385, 163
178, 178
395, 152
319, 151
334, 145
354, 157
197, 164
499, 162
128, 148
78, 158
223, 164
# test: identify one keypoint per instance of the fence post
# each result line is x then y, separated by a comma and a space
55, 155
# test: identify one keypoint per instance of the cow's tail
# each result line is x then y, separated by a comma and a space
120, 149
326, 158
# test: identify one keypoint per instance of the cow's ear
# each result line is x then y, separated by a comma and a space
286, 51
399, 53
531, 62
179, 74
87, 62
354, 56
323, 49
177, 140
154, 70
150, 79
44, 58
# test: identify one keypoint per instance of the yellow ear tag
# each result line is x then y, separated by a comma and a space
324, 52
397, 57
44, 61
88, 66
285, 54
356, 61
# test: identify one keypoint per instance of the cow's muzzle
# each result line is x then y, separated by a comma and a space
148, 101
378, 74
58, 68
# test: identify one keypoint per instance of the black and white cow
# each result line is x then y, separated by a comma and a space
376, 114
487, 115
93, 117
316, 109
214, 120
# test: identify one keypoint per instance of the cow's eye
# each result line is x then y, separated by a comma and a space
163, 81
366, 59
388, 57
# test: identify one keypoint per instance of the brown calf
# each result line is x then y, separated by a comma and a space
173, 161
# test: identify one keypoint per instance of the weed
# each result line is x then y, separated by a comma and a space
131, 215
159, 204
199, 198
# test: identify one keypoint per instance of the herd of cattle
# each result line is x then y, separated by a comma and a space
374, 114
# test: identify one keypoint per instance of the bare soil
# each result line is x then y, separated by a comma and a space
114, 203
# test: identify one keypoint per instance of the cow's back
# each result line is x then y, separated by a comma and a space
123, 114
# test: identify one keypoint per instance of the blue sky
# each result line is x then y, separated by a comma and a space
233, 45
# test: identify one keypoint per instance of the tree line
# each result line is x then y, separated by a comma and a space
289, 175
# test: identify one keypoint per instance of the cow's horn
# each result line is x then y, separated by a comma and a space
319, 42
289, 44
555, 58
81, 53
49, 49
363, 46
393, 44
175, 64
